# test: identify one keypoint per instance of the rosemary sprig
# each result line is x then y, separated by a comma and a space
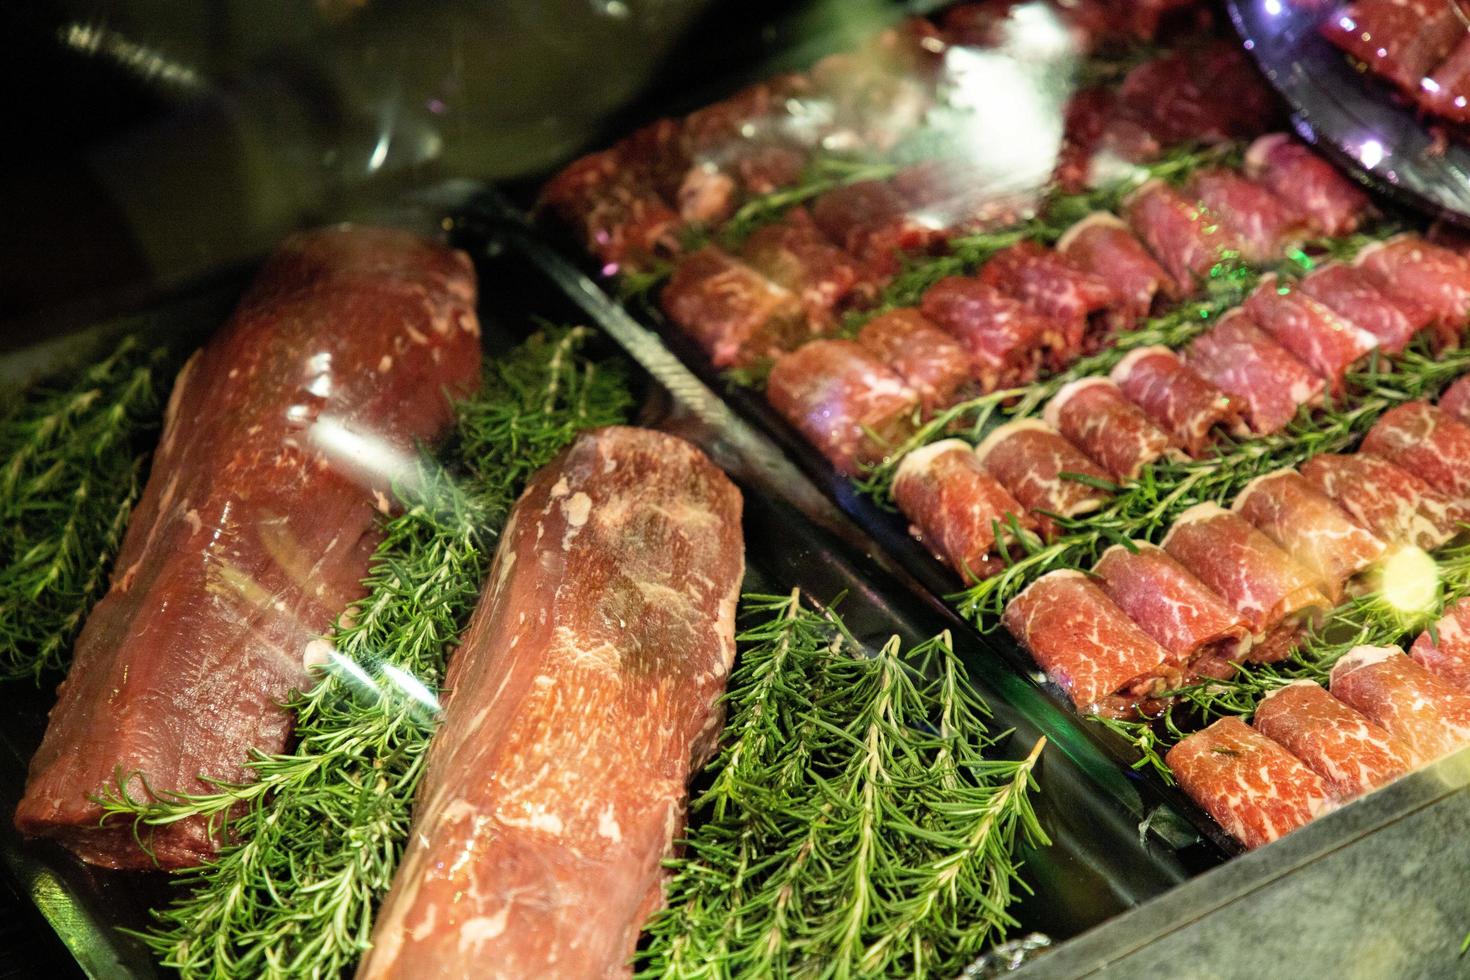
75, 450
317, 837
853, 824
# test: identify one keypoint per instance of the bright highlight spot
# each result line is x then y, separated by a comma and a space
1410, 582
1371, 154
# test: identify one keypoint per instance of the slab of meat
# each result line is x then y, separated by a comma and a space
1253, 787
1207, 93
1201, 632
1349, 752
585, 694
1411, 270
1349, 292
1185, 241
1420, 438
254, 531
1076, 301
1400, 40
1456, 400
928, 359
1177, 399
1085, 644
1033, 462
873, 223
615, 213
1333, 204
1392, 503
1102, 245
1093, 415
844, 400
1244, 361
1006, 341
734, 313
1317, 336
795, 255
1277, 597
1447, 92
1444, 649
1309, 527
959, 512
1430, 716
1264, 224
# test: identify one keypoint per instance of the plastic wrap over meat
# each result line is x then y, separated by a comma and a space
1093, 415
1333, 204
1349, 752
1444, 648
583, 696
281, 442
1428, 715
1253, 787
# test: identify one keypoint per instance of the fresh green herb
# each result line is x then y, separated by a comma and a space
317, 837
75, 451
855, 823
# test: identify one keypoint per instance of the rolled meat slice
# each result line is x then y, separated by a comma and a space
1264, 224
959, 512
1420, 438
1085, 644
1202, 634
1092, 414
962, 196
1428, 715
844, 400
1333, 204
1206, 92
1034, 463
1318, 337
1411, 270
1177, 399
1349, 292
1102, 245
583, 697
1253, 787
254, 531
734, 313
1400, 40
795, 255
1244, 361
1077, 302
1185, 241
1006, 341
1309, 527
928, 359
872, 222
1392, 503
614, 212
1444, 649
1277, 597
1349, 752
1447, 92
1455, 401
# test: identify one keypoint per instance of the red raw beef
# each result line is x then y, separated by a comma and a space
1349, 752
845, 401
1253, 787
1309, 527
1006, 341
1444, 650
1447, 92
1030, 459
1176, 398
616, 214
1102, 245
584, 696
1076, 301
1420, 438
1264, 224
1185, 241
1318, 337
254, 531
1350, 293
1277, 597
1085, 644
794, 254
734, 313
1208, 93
1092, 414
929, 360
955, 508
1394, 504
874, 224
1430, 716
1412, 270
1400, 40
1242, 360
1455, 401
1332, 203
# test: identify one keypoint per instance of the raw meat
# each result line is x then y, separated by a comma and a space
1444, 651
1420, 438
955, 508
616, 215
734, 313
872, 222
794, 255
1242, 360
1277, 597
1263, 223
1392, 503
1400, 40
1006, 341
1429, 716
1350, 293
1318, 337
928, 359
1093, 415
1411, 270
1349, 752
1187, 244
1075, 301
1176, 398
1208, 93
254, 531
1332, 203
1033, 462
845, 401
1456, 400
1102, 245
585, 694
1253, 787
1085, 644
1447, 92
